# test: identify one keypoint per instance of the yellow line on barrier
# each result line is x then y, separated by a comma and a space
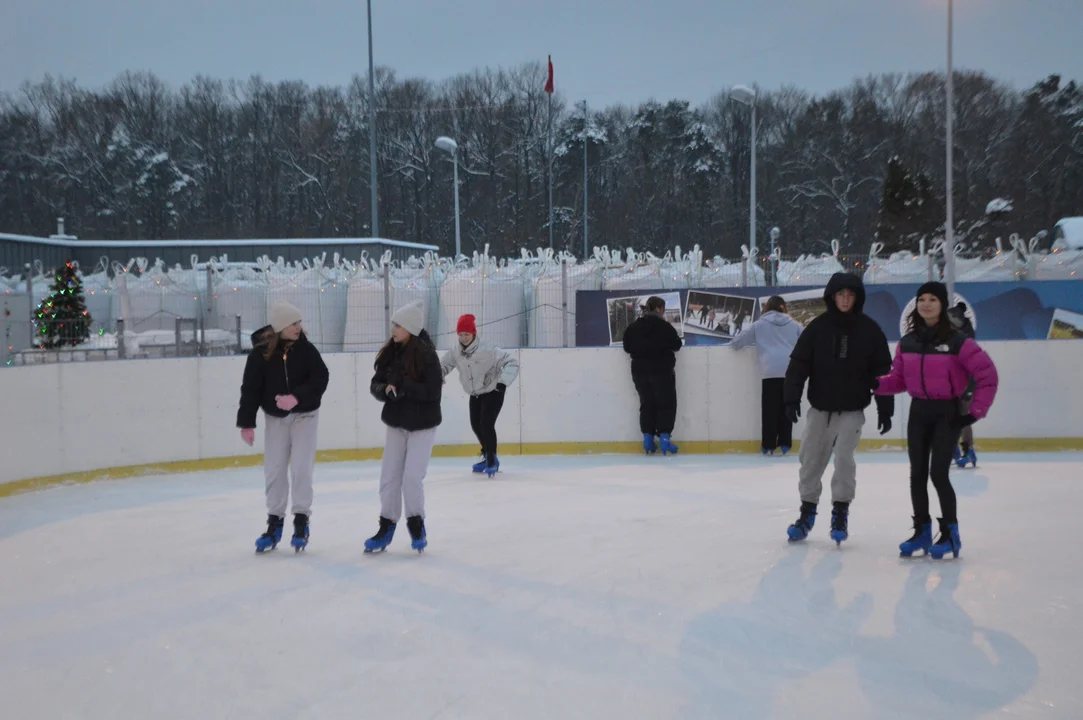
710, 447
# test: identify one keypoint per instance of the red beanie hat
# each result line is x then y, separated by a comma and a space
466, 324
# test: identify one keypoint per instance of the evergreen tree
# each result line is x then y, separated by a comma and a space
62, 317
908, 209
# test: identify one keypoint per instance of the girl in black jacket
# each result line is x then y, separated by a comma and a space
285, 376
408, 381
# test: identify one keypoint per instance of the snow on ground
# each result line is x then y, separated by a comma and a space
566, 587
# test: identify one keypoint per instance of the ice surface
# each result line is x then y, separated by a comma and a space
566, 587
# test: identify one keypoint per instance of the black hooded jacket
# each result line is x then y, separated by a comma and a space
416, 403
841, 355
652, 340
292, 369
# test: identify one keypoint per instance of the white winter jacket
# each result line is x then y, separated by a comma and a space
481, 366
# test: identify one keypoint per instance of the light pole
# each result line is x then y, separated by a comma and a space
775, 232
747, 96
372, 134
949, 229
452, 148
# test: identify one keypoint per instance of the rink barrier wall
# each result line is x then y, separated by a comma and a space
78, 422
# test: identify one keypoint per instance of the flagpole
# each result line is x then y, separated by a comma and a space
550, 170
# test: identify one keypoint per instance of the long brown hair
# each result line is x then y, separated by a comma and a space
413, 355
939, 333
269, 341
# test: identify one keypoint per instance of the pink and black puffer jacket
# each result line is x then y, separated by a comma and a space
932, 370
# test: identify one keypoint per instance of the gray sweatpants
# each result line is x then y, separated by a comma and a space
826, 432
289, 448
405, 463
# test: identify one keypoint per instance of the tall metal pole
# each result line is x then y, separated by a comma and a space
586, 215
372, 133
752, 193
949, 228
550, 170
458, 239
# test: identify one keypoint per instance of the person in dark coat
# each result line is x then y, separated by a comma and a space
652, 342
841, 354
409, 382
286, 377
964, 451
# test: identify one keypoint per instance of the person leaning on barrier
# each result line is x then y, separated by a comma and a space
652, 341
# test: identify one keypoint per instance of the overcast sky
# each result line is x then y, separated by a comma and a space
604, 51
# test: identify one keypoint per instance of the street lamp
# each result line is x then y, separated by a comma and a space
949, 230
452, 148
747, 96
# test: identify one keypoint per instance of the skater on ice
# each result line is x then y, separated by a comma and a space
964, 451
286, 377
409, 382
841, 353
935, 363
653, 343
485, 372
774, 336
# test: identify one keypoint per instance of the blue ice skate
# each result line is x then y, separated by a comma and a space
785, 449
269, 540
972, 457
382, 538
299, 541
648, 444
491, 470
765, 451
479, 467
416, 526
922, 539
948, 541
840, 515
803, 526
666, 444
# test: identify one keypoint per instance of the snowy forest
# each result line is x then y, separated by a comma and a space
252, 159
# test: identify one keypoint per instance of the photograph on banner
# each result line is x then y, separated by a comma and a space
1066, 325
623, 311
803, 306
718, 315
904, 319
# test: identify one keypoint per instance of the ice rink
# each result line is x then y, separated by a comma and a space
566, 587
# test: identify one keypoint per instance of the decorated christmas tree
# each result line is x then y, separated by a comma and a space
62, 317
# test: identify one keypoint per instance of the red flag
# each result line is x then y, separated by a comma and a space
549, 82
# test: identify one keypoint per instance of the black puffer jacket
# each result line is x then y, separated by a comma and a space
292, 369
652, 341
416, 404
841, 355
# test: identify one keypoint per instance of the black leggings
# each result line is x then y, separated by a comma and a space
484, 410
775, 428
931, 436
657, 402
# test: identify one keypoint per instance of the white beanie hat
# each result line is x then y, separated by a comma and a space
410, 318
283, 315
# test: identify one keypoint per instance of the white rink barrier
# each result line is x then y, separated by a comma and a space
63, 419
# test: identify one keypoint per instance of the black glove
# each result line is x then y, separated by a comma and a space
501, 387
883, 424
965, 421
793, 412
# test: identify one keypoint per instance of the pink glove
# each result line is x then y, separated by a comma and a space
286, 402
248, 435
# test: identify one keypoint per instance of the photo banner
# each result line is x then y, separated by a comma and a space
1045, 310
